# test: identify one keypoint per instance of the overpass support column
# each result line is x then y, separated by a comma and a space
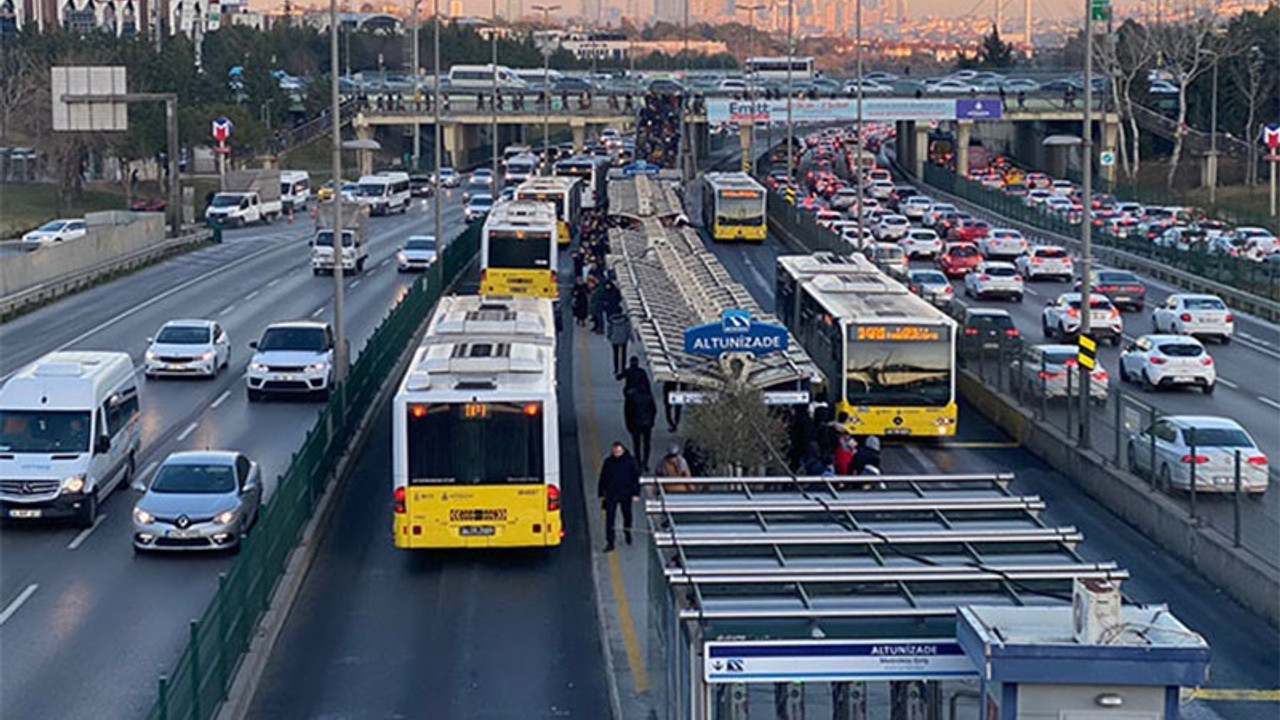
579, 129
455, 141
920, 151
964, 129
364, 158
1110, 138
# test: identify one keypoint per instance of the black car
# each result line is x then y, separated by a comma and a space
1124, 289
986, 330
421, 185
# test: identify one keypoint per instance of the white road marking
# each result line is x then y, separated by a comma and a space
319, 311
353, 284
221, 399
83, 535
1268, 401
1228, 383
384, 262
146, 471
187, 433
227, 309
1030, 291
273, 283
251, 295
1258, 348
12, 607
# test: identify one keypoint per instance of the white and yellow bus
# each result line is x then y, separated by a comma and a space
733, 207
565, 194
518, 250
476, 429
889, 355
593, 171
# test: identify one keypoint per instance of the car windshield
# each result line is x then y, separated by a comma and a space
1218, 437
183, 335
184, 479
221, 201
310, 339
53, 226
1117, 277
44, 431
420, 244
373, 190
1204, 304
1181, 350
324, 238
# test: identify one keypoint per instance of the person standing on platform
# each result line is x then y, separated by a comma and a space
619, 334
639, 412
580, 302
634, 377
618, 487
674, 465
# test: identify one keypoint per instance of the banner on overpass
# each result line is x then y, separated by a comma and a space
726, 110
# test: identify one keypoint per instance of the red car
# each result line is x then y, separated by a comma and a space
970, 231
958, 258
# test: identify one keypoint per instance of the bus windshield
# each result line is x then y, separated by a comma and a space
739, 210
524, 251
908, 372
475, 443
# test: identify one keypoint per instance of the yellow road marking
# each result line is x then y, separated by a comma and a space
1245, 694
591, 433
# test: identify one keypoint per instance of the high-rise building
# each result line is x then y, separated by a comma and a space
455, 8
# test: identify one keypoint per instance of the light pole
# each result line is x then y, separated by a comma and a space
493, 98
857, 52
439, 152
1213, 131
417, 91
791, 60
1086, 223
339, 332
546, 11
748, 129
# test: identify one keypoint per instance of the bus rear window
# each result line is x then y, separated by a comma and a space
475, 443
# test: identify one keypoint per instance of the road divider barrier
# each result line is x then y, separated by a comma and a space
199, 681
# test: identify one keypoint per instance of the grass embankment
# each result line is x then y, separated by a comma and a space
24, 206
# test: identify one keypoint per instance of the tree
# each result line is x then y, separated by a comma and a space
992, 53
1125, 57
736, 431
1189, 50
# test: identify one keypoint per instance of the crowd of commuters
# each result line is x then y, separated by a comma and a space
658, 130
821, 445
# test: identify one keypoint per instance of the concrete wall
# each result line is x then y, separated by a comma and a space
110, 235
1238, 573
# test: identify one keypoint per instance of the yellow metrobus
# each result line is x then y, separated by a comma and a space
889, 355
476, 429
518, 250
733, 207
565, 194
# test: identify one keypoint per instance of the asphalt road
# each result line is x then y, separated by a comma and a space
379, 632
86, 627
1239, 659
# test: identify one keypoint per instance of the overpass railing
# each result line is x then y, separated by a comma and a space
198, 682
1256, 278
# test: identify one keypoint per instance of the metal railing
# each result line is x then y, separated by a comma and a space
199, 680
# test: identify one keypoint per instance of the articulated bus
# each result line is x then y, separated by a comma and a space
775, 68
565, 194
733, 207
518, 250
593, 172
476, 429
889, 356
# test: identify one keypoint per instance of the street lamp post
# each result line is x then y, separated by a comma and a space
1086, 223
417, 91
439, 152
748, 128
339, 332
791, 53
546, 11
857, 172
493, 98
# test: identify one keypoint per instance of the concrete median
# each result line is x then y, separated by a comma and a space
1242, 576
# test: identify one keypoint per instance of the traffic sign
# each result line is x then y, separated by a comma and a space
1271, 136
221, 128
1107, 158
1100, 9
1086, 351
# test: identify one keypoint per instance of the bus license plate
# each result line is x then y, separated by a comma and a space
474, 530
20, 513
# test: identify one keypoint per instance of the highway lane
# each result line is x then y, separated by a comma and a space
1238, 659
97, 614
379, 632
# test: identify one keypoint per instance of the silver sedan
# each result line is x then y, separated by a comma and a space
202, 500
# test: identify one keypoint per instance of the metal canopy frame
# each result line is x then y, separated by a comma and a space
824, 549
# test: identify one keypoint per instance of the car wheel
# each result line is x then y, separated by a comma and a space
130, 469
1166, 478
1115, 340
315, 271
1147, 385
1139, 307
1124, 374
1208, 389
1044, 328
1017, 298
1130, 453
89, 513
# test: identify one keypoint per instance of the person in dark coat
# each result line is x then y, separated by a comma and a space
580, 302
868, 455
640, 411
634, 377
619, 333
595, 307
618, 486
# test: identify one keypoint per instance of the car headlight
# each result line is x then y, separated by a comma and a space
207, 355
257, 367
142, 517
317, 367
400, 258
151, 355
225, 518
73, 483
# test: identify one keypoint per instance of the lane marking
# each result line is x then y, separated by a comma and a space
1030, 291
353, 284
1228, 383
227, 309
221, 399
1257, 348
12, 607
1268, 401
273, 283
84, 534
318, 312
187, 433
384, 262
1244, 694
251, 295
635, 658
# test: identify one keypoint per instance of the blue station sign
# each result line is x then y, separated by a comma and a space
736, 332
640, 167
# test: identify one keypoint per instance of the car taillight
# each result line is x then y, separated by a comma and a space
1229, 317
971, 331
1036, 260
1198, 459
1115, 312
397, 501
1072, 312
1043, 375
1157, 360
1185, 317
1011, 332
984, 277
1017, 278
1257, 460
1206, 360
947, 289
1100, 375
553, 498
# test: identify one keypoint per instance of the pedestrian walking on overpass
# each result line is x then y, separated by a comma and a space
619, 335
618, 487
640, 412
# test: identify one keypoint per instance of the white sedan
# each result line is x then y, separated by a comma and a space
187, 347
56, 231
1199, 315
1003, 243
916, 206
1167, 360
1050, 261
1172, 445
417, 253
1061, 318
993, 278
892, 227
921, 242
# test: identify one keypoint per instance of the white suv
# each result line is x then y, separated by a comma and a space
1061, 318
892, 227
916, 206
1046, 261
1164, 360
292, 358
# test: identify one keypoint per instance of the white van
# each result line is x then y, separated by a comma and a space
538, 78
518, 169
384, 193
480, 77
69, 434
295, 189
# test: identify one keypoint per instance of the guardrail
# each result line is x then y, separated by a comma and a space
74, 281
218, 640
1245, 285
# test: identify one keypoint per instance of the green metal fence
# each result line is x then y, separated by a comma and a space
218, 640
799, 228
1261, 279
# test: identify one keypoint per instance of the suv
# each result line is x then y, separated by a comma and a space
1061, 317
1049, 261
983, 329
292, 357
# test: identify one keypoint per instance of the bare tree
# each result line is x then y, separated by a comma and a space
736, 431
1189, 49
1246, 74
1126, 56
20, 81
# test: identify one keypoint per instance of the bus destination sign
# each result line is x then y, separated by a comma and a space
900, 333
